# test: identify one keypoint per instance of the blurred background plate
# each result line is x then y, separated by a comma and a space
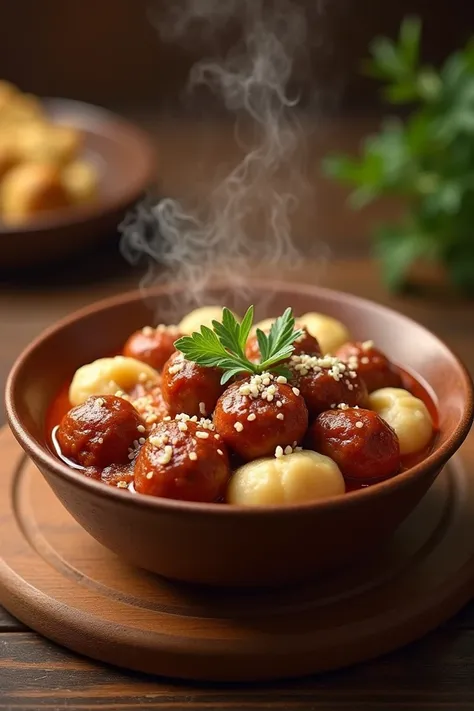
125, 160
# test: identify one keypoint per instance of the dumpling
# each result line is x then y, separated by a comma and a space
406, 414
294, 478
330, 333
29, 189
204, 316
107, 376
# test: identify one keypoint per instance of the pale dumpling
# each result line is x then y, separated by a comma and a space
406, 414
107, 376
329, 332
264, 325
204, 316
294, 478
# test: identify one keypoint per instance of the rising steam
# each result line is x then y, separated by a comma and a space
247, 219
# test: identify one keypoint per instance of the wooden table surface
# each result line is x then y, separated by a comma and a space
434, 673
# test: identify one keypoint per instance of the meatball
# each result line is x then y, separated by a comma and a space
372, 365
183, 459
256, 415
101, 431
152, 345
304, 344
327, 382
190, 388
363, 446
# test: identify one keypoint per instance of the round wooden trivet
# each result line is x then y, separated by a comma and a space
58, 580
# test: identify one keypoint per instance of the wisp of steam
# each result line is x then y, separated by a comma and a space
262, 191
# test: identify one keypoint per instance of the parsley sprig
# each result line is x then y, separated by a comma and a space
427, 160
223, 346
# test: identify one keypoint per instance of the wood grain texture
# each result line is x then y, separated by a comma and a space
434, 673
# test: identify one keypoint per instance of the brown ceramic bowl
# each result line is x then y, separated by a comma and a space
219, 544
124, 158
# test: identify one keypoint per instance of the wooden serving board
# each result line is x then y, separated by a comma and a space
58, 580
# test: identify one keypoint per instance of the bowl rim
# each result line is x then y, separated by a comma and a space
42, 456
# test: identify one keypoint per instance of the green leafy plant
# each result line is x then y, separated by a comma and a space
427, 159
223, 346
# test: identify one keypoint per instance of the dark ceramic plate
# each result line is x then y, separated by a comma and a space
125, 159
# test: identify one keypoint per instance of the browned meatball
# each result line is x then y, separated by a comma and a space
152, 345
258, 414
363, 446
190, 388
183, 460
304, 344
372, 365
327, 382
103, 430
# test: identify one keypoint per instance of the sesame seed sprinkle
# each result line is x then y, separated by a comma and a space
141, 428
219, 451
367, 345
149, 475
279, 452
202, 408
279, 403
280, 416
147, 331
359, 424
202, 435
288, 449
122, 485
238, 426
296, 391
193, 456
167, 455
101, 440
252, 417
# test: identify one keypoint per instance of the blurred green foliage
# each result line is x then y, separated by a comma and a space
427, 159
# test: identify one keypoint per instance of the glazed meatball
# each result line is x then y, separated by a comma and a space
152, 345
372, 365
256, 415
363, 446
189, 387
101, 431
327, 382
304, 344
183, 459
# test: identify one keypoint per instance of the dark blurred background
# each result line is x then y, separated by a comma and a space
107, 52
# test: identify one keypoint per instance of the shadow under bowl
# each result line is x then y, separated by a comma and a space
214, 543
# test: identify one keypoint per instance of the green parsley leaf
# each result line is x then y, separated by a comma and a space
427, 159
223, 346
